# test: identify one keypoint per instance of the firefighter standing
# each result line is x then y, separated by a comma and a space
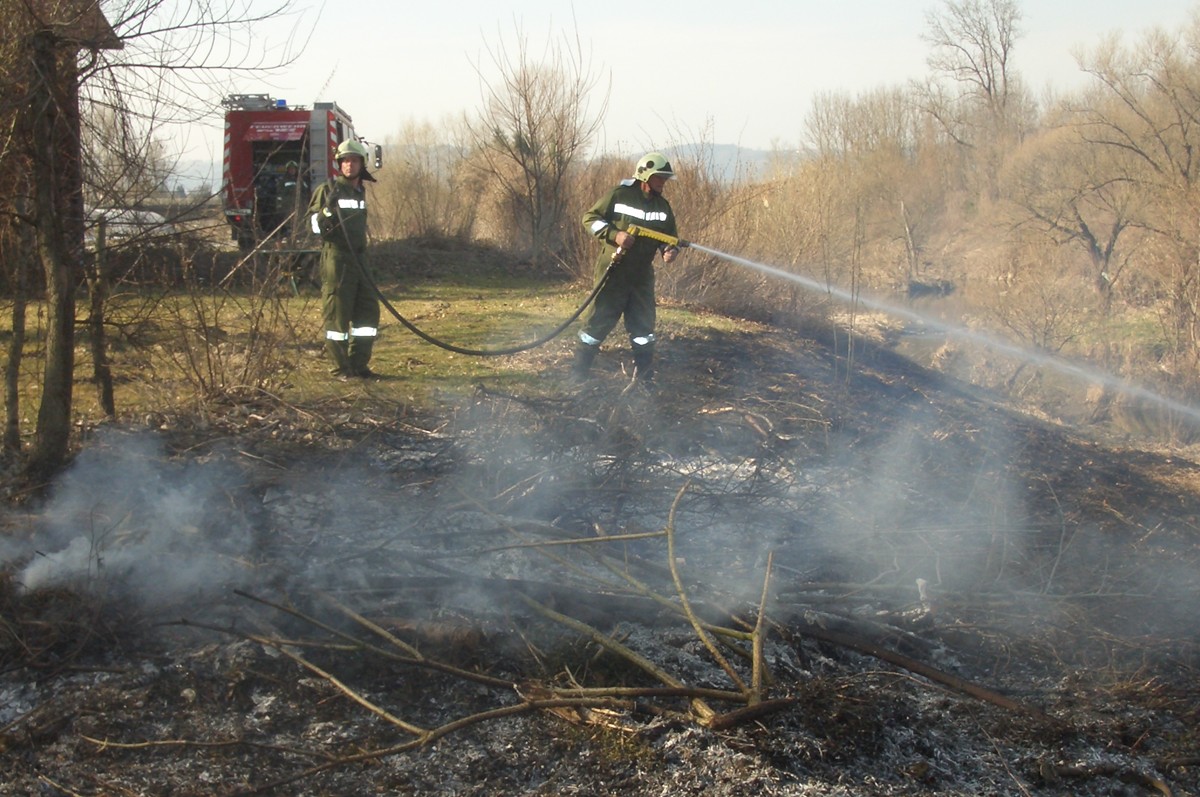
350, 305
629, 291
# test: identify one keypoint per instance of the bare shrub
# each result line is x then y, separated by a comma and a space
537, 118
230, 344
427, 191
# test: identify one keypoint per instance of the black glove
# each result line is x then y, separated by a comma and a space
327, 218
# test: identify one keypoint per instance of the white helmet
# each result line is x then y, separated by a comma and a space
651, 164
350, 147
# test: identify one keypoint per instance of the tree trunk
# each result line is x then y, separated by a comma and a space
55, 159
910, 247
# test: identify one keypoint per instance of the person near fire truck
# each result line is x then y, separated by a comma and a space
629, 292
350, 305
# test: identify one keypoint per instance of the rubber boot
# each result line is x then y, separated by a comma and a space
643, 363
584, 356
360, 355
339, 355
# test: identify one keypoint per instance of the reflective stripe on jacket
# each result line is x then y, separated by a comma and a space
338, 213
623, 206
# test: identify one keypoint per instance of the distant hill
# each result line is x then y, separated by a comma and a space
727, 160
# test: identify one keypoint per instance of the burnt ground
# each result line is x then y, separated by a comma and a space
776, 574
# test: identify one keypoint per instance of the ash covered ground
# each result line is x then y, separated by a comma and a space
766, 577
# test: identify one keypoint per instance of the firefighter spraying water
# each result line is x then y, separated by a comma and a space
1023, 354
625, 267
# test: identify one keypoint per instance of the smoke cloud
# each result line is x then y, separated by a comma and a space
127, 519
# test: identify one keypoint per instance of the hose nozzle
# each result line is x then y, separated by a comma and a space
661, 237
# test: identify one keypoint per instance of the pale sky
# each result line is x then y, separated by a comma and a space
731, 72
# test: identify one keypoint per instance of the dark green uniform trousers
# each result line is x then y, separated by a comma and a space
351, 312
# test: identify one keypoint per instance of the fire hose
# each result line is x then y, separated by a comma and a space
633, 230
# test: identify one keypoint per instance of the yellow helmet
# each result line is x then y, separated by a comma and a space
651, 164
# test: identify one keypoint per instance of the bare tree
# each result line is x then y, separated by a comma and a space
1146, 108
55, 52
123, 165
878, 141
1077, 194
41, 70
16, 253
16, 243
535, 122
975, 93
1142, 120
124, 162
971, 43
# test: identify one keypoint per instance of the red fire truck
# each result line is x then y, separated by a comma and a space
274, 155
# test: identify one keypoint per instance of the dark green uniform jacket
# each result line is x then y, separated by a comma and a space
630, 288
338, 212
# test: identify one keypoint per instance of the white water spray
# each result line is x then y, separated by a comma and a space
971, 336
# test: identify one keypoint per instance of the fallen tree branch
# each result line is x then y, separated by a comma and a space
757, 668
683, 599
704, 711
433, 735
1126, 774
44, 780
106, 744
736, 717
354, 696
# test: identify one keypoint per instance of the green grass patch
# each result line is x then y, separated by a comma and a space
189, 351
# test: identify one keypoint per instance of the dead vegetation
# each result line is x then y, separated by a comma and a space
762, 578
